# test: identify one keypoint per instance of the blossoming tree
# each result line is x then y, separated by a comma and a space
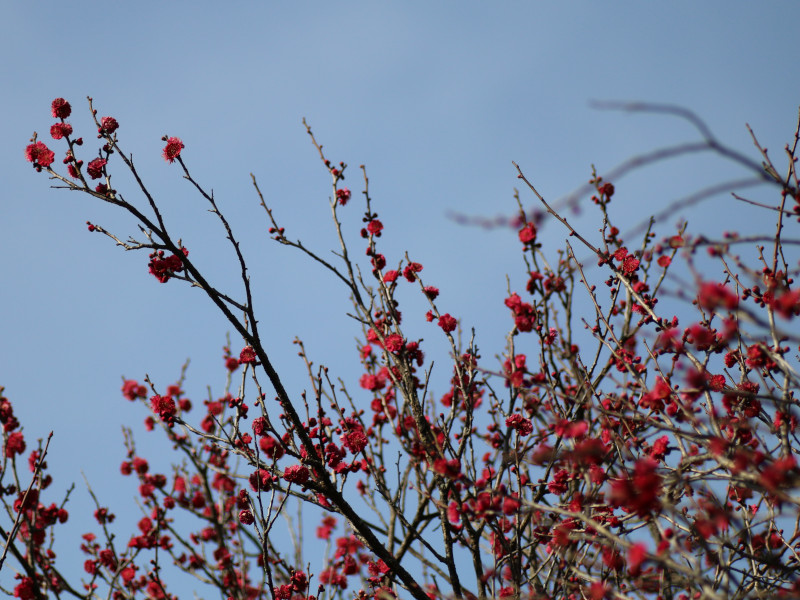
631, 449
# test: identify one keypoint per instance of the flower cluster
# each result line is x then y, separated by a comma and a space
39, 154
164, 267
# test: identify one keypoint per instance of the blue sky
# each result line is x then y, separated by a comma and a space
436, 99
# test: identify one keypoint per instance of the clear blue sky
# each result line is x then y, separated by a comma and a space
436, 99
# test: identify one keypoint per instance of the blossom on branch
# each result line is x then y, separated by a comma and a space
342, 196
394, 343
15, 444
173, 149
60, 130
95, 168
247, 356
527, 235
296, 474
163, 268
447, 323
39, 154
640, 491
108, 125
60, 108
